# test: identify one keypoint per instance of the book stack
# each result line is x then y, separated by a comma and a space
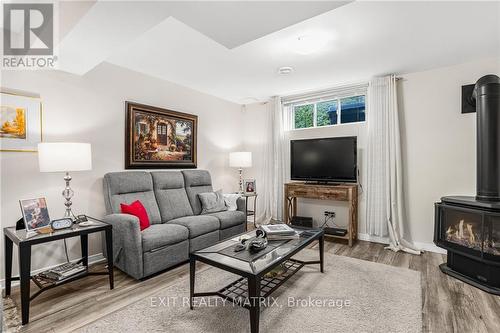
63, 272
279, 232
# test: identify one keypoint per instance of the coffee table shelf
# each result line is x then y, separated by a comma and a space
237, 291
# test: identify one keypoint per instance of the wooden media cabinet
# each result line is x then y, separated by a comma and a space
344, 192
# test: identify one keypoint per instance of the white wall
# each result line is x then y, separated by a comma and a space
91, 109
439, 143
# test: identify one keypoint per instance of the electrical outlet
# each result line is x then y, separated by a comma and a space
329, 213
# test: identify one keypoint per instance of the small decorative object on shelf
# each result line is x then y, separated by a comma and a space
61, 223
250, 187
277, 272
35, 214
253, 244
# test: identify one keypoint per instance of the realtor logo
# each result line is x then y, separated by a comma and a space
28, 35
36, 33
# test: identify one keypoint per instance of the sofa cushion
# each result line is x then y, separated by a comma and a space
137, 209
129, 186
171, 195
229, 218
197, 225
196, 182
231, 200
212, 202
160, 235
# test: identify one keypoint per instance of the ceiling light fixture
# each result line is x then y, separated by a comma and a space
285, 70
308, 44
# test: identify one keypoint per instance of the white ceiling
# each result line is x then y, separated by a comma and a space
233, 50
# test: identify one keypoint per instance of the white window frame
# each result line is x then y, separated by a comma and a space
315, 111
313, 97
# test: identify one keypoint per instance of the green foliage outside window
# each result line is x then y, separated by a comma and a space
326, 113
304, 116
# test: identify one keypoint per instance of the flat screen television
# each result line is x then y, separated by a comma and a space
324, 160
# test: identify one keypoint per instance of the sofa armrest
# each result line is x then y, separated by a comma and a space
241, 205
127, 243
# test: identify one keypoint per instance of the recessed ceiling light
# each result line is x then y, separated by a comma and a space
311, 43
286, 70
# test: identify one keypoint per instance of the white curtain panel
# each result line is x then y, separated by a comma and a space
384, 190
274, 173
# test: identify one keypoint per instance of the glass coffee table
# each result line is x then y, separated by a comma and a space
254, 285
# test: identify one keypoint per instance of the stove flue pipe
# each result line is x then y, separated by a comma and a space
487, 97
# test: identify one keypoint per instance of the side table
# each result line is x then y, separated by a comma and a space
251, 212
24, 244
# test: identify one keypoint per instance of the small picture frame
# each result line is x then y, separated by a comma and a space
249, 186
35, 214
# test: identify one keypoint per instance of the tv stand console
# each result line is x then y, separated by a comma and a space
344, 192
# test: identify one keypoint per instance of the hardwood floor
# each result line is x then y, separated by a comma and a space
448, 305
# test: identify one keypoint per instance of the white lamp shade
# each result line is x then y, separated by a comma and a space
241, 159
64, 157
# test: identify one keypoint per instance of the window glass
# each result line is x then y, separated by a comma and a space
326, 113
330, 112
352, 109
303, 115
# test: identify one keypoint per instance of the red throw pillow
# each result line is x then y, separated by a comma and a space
137, 209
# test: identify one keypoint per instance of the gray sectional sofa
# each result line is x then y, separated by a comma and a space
177, 228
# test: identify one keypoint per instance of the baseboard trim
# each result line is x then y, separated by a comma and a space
93, 259
429, 247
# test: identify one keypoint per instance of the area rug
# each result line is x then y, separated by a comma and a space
351, 296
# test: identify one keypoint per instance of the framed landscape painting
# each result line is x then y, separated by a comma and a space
158, 138
20, 123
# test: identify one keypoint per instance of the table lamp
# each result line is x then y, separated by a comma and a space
240, 160
65, 157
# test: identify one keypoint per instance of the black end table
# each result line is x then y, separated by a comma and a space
24, 243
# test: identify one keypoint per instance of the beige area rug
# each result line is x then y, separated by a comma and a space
351, 296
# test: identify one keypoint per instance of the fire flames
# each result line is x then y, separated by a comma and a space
466, 234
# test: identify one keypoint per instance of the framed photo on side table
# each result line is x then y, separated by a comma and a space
249, 186
35, 214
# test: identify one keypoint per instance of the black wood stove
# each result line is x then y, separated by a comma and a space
469, 227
